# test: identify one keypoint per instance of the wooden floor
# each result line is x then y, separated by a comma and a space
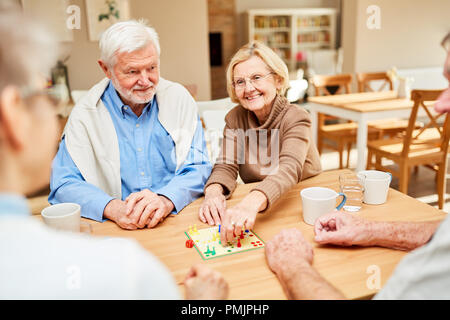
422, 185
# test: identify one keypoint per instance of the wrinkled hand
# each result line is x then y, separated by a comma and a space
237, 219
443, 102
213, 208
288, 250
203, 283
147, 208
116, 210
343, 229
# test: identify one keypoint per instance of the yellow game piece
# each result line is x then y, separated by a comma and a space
195, 229
190, 229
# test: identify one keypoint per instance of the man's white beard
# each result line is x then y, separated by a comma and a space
131, 97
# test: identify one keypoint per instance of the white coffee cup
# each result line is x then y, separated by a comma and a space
376, 185
317, 201
63, 216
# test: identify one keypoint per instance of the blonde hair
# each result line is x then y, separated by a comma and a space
270, 58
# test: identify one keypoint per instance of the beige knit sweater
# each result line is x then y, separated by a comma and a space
279, 161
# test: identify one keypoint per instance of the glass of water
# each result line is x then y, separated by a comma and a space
353, 189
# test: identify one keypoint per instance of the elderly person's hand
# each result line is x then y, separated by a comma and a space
148, 208
342, 229
116, 210
287, 251
213, 207
443, 103
237, 219
203, 283
242, 216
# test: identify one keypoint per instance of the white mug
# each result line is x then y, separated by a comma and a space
317, 201
63, 216
376, 185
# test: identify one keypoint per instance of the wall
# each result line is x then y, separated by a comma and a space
222, 18
183, 30
409, 37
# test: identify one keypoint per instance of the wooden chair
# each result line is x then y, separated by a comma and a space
425, 146
343, 135
389, 127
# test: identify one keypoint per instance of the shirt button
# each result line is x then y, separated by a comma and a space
139, 149
142, 173
125, 108
137, 125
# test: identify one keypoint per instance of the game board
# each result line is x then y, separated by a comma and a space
208, 244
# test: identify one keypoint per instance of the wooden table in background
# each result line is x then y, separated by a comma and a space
348, 269
361, 108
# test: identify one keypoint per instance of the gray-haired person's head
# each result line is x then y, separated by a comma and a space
27, 50
127, 36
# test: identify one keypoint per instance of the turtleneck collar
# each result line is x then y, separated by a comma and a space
279, 104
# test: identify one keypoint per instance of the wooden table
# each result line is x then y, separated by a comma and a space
361, 108
248, 274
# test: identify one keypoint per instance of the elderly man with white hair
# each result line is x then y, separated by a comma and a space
133, 150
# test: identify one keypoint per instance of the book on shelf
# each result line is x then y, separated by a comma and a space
316, 21
267, 22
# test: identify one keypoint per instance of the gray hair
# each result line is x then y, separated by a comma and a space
127, 36
27, 50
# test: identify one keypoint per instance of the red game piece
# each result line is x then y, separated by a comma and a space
242, 234
189, 243
239, 243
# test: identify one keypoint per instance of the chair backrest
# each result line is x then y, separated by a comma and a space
441, 133
366, 80
214, 121
321, 82
219, 104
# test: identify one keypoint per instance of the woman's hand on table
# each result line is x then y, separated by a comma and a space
242, 216
213, 207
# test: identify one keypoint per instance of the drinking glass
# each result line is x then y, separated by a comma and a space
353, 189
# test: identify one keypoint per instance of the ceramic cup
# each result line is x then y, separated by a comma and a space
376, 185
317, 201
63, 216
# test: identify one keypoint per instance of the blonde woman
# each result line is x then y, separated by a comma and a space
266, 140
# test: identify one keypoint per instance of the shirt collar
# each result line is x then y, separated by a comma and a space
112, 92
13, 204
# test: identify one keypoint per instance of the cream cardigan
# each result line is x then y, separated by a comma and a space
91, 138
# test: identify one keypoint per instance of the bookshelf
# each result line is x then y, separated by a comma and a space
292, 33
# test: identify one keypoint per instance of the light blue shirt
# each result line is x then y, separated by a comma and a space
13, 204
147, 161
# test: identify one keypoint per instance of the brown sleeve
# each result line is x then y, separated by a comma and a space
225, 170
295, 143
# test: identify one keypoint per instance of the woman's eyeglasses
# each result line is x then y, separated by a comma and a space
255, 80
